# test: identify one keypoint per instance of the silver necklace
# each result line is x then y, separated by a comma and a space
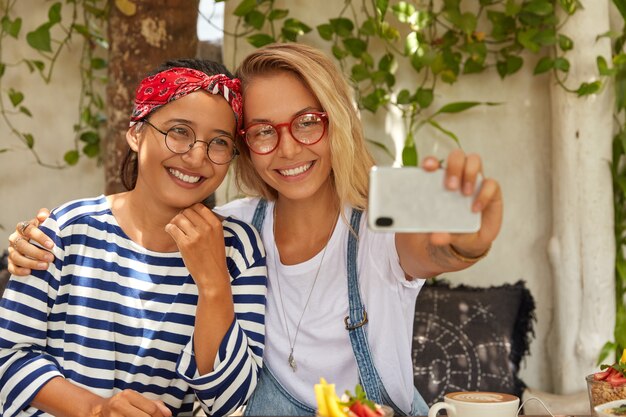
291, 360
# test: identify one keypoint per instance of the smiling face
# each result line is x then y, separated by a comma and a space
180, 180
294, 170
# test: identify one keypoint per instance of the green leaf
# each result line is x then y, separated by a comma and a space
565, 43
388, 63
359, 73
339, 53
29, 140
255, 19
424, 97
71, 157
457, 107
538, 7
3, 68
603, 67
98, 63
375, 99
561, 64
245, 7
403, 11
527, 39
54, 13
444, 131
621, 6
546, 37
92, 150
607, 349
512, 7
342, 26
12, 28
355, 46
39, 39
513, 64
545, 64
473, 67
586, 89
278, 14
25, 111
16, 97
468, 23
293, 28
409, 152
325, 31
39, 65
260, 39
90, 137
411, 44
381, 8
382, 147
368, 28
570, 6
404, 97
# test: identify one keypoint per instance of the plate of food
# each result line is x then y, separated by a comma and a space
607, 386
611, 409
349, 405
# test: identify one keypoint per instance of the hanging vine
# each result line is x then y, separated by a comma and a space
65, 22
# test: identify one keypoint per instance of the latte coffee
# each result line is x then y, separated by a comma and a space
482, 397
477, 404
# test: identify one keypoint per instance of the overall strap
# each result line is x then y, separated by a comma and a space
355, 324
259, 215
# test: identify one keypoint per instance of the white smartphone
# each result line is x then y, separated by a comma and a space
410, 199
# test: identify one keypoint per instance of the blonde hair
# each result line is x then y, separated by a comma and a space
350, 158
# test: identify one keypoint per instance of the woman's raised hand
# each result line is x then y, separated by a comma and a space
23, 255
462, 174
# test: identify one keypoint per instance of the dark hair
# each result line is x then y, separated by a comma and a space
129, 167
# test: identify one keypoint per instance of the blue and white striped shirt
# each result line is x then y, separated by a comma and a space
110, 315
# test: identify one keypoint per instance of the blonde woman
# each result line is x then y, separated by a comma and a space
341, 298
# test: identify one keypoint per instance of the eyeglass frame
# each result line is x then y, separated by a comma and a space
322, 115
195, 140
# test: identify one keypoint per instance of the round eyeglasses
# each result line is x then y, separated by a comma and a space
181, 139
307, 128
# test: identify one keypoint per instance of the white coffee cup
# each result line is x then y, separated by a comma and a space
477, 404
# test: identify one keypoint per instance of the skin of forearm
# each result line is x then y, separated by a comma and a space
420, 258
61, 398
214, 315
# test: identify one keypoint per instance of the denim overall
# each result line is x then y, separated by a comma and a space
271, 398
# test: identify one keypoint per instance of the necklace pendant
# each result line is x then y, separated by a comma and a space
292, 362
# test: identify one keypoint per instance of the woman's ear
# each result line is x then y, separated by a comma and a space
133, 137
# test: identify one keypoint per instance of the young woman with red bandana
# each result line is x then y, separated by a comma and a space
153, 301
341, 298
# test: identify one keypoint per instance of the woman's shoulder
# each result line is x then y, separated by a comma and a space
242, 237
74, 210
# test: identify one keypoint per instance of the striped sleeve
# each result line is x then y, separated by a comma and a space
239, 359
24, 366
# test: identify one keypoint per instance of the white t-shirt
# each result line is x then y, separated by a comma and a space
322, 347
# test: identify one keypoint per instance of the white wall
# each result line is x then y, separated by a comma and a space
26, 186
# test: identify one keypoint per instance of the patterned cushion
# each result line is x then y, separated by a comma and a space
470, 339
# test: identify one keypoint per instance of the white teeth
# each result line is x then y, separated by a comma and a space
295, 171
183, 177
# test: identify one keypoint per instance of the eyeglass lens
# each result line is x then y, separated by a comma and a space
305, 128
181, 138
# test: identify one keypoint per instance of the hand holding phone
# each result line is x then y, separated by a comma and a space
410, 199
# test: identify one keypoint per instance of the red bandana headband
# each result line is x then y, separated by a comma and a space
174, 83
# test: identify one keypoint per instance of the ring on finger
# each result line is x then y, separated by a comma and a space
15, 242
24, 225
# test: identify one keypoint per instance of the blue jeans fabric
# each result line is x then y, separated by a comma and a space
271, 398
